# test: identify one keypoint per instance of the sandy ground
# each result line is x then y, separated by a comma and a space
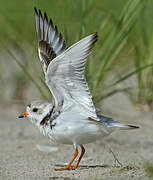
20, 159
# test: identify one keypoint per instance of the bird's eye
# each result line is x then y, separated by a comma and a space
35, 109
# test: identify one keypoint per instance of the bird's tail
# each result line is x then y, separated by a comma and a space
122, 126
111, 124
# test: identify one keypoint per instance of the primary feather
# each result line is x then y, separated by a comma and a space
50, 41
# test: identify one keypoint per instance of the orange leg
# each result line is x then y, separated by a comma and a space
77, 163
68, 167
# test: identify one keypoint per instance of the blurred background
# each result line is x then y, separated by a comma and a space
122, 60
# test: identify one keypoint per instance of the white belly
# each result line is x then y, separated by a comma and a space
71, 127
76, 132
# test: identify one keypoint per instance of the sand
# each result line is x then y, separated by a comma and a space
20, 158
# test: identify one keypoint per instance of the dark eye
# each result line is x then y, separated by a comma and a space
35, 109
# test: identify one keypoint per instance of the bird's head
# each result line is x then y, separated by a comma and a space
38, 112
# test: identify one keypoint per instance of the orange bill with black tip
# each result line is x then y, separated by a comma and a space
25, 114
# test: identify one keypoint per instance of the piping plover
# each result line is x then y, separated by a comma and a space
72, 118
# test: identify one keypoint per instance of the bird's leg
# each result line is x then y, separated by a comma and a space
68, 167
77, 163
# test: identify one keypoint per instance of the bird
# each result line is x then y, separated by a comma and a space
72, 117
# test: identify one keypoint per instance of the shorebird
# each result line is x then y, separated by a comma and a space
72, 117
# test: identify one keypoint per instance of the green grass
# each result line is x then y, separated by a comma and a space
144, 55
124, 48
149, 170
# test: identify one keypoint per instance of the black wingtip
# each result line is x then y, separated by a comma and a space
35, 9
45, 16
133, 127
95, 37
95, 34
40, 14
51, 23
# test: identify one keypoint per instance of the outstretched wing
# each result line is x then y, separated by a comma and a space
50, 41
65, 77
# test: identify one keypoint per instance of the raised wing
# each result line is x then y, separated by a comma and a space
50, 41
65, 77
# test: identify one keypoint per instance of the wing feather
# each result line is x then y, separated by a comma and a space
65, 74
50, 41
66, 80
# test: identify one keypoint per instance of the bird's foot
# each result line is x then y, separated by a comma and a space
62, 169
66, 168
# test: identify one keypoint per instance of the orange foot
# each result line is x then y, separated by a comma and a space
66, 169
69, 167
